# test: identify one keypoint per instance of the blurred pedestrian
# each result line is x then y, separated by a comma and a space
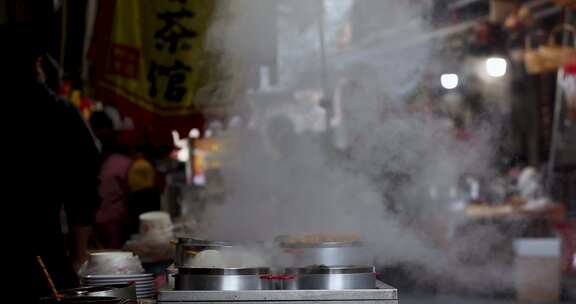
145, 191
110, 227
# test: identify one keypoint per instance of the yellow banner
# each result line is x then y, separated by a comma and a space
158, 58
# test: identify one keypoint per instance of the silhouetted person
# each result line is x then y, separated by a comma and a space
53, 165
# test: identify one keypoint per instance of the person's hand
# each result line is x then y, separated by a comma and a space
79, 260
79, 248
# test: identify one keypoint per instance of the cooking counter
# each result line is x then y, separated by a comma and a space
383, 294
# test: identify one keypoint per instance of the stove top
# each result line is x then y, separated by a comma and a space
383, 294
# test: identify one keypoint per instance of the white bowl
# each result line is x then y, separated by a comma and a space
106, 256
113, 263
155, 221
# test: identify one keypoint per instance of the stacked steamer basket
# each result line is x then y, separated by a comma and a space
217, 265
187, 249
322, 250
325, 262
311, 270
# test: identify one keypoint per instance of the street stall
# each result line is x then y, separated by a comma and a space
327, 151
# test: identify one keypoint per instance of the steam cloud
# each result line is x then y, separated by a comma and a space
278, 182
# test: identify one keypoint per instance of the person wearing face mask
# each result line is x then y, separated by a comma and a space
54, 166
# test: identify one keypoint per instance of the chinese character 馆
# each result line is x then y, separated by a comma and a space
176, 75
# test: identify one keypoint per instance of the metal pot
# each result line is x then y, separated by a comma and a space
186, 248
122, 291
223, 279
330, 278
329, 254
86, 300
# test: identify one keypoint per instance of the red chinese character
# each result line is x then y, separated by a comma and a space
124, 61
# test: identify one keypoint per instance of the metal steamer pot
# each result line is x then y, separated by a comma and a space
223, 279
328, 253
121, 291
329, 278
186, 248
87, 300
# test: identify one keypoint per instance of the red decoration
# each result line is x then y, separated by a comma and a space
124, 61
570, 69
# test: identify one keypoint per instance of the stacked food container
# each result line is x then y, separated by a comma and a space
298, 269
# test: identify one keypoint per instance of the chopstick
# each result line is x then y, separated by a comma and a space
48, 278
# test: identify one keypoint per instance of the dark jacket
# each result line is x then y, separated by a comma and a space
53, 163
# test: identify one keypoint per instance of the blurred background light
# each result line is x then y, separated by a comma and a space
449, 81
496, 67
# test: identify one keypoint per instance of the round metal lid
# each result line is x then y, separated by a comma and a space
330, 270
90, 289
223, 271
83, 299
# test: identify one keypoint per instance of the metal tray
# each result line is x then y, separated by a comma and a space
383, 294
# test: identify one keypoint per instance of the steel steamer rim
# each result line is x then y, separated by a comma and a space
299, 245
327, 270
223, 271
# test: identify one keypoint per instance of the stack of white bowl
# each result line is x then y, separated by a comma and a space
156, 225
145, 288
152, 243
118, 267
